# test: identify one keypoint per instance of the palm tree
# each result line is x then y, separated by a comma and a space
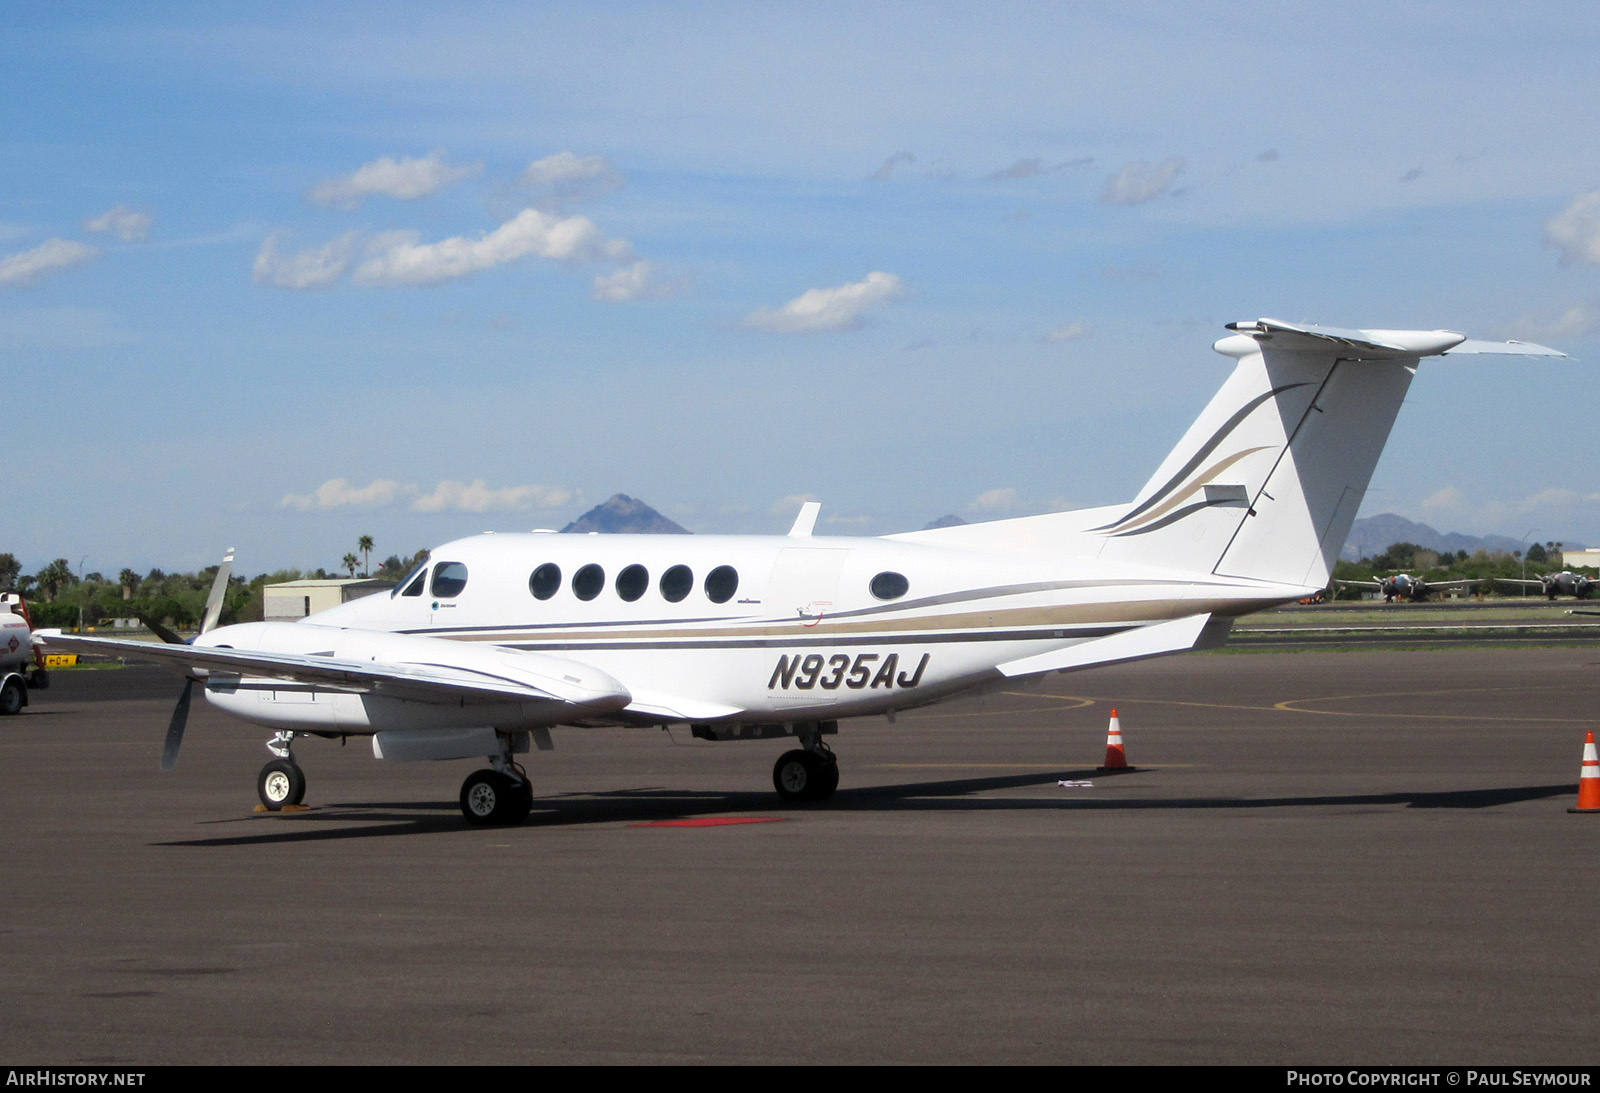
53, 577
364, 544
130, 581
350, 562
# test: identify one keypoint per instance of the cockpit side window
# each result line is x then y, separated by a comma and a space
408, 586
449, 578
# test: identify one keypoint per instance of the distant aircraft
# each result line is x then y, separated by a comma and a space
495, 639
21, 662
1551, 585
1403, 586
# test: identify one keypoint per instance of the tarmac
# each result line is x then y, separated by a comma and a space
1341, 858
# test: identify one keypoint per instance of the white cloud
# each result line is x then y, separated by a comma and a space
1447, 498
478, 497
1576, 321
1576, 229
1003, 499
404, 261
825, 309
51, 256
568, 172
130, 226
406, 179
315, 267
1139, 182
640, 281
337, 493
788, 506
1068, 332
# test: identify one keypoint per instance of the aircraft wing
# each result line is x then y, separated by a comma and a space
1522, 582
1360, 584
416, 682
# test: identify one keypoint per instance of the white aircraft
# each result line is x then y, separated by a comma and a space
495, 639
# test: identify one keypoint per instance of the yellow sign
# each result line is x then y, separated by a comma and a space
61, 660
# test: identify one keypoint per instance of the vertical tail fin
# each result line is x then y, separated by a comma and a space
1266, 484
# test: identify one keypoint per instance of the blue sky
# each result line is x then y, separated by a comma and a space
275, 277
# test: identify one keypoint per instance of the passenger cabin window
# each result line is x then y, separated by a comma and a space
545, 582
588, 581
449, 578
721, 583
889, 586
633, 582
676, 583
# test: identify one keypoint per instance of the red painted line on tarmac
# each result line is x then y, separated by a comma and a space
714, 821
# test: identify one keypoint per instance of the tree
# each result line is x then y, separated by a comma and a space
350, 562
364, 544
1538, 554
10, 570
55, 576
129, 581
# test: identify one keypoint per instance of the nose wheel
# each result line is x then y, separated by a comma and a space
805, 776
281, 783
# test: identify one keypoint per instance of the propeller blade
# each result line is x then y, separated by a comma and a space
219, 589
159, 631
180, 717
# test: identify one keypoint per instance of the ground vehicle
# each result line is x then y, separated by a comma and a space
21, 661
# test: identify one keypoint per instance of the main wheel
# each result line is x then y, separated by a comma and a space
11, 697
804, 776
281, 783
489, 797
39, 681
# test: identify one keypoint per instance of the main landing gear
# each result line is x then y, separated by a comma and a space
492, 797
808, 774
501, 795
281, 783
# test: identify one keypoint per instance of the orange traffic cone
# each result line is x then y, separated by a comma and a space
1588, 779
1116, 758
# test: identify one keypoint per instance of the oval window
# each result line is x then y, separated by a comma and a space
721, 583
588, 581
676, 583
632, 582
545, 582
449, 578
889, 586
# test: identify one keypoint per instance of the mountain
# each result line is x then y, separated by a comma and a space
945, 522
622, 515
1375, 534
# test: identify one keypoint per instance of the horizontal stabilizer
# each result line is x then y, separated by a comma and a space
1509, 349
1145, 641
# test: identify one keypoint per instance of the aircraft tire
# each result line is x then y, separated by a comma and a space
11, 697
489, 797
39, 681
281, 783
804, 776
